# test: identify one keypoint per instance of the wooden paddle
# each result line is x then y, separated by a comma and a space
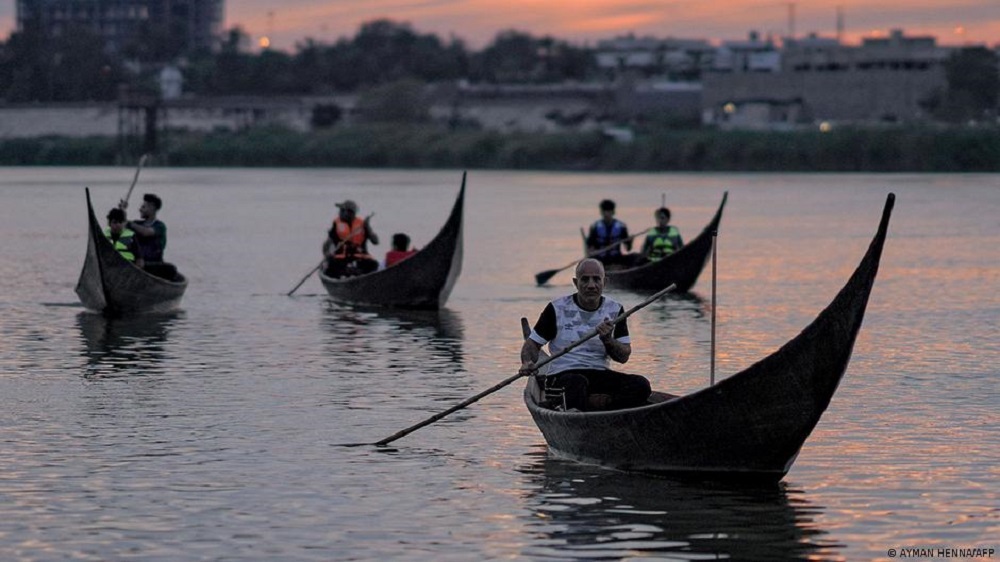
123, 204
543, 277
509, 380
335, 250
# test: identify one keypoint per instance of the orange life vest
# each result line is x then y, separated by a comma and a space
354, 234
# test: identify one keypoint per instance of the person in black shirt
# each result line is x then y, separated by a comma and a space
151, 235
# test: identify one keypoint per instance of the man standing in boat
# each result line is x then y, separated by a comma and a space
664, 239
609, 232
151, 236
346, 246
584, 372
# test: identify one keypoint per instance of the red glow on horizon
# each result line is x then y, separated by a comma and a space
477, 22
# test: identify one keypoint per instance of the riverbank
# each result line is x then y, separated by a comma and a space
378, 146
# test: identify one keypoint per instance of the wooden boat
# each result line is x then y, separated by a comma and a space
422, 281
749, 426
112, 285
681, 268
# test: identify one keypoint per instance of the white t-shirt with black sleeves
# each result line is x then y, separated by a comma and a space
563, 322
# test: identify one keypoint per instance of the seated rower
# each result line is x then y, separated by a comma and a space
607, 236
664, 239
346, 247
122, 238
584, 373
151, 235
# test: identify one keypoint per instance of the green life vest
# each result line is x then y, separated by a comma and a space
663, 244
123, 243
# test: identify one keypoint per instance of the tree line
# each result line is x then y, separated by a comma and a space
75, 66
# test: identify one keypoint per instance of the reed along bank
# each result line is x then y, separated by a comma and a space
889, 149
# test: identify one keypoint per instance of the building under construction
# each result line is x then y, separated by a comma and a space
190, 24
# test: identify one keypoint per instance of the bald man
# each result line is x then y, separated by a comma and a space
584, 373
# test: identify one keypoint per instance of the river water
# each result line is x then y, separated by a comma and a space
216, 433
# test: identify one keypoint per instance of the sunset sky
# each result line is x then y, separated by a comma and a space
476, 22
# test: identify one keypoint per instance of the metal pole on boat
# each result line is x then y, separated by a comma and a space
715, 235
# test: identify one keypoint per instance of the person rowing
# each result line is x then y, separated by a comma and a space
606, 237
584, 374
346, 246
151, 236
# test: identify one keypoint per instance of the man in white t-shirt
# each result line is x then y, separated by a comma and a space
584, 372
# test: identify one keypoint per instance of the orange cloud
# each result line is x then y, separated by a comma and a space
478, 21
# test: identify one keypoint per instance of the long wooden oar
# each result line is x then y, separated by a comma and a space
544, 276
308, 275
335, 250
123, 204
506, 382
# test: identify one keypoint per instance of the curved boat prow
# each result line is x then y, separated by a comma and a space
90, 286
765, 413
831, 336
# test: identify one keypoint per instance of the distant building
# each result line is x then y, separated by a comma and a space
817, 79
749, 55
648, 57
192, 24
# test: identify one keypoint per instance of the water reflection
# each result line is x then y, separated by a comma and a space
118, 346
439, 331
398, 352
589, 512
677, 305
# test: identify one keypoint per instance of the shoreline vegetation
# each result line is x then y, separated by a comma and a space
889, 149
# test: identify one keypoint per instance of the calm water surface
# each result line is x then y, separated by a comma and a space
214, 433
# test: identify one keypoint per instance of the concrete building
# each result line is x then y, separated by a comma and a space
648, 57
748, 55
882, 80
193, 24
